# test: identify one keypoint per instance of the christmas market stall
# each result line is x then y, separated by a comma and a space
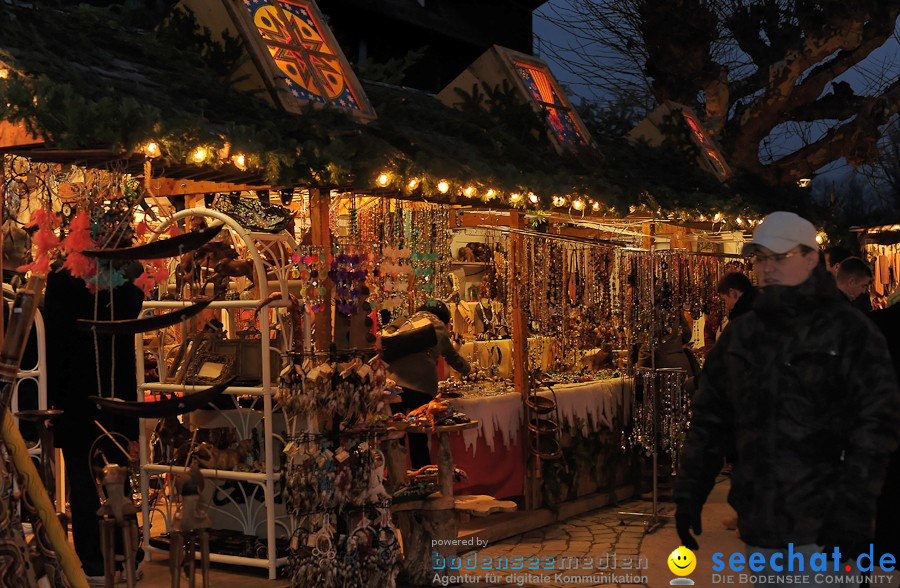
133, 183
881, 245
272, 216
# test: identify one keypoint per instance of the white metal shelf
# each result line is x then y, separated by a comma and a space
251, 243
234, 560
249, 390
158, 468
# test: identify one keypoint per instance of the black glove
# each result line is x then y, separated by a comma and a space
687, 518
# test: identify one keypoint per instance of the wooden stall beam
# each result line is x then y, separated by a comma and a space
473, 218
169, 187
521, 380
320, 232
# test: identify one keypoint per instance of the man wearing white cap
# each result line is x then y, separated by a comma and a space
802, 390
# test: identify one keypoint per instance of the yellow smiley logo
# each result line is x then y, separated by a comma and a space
682, 561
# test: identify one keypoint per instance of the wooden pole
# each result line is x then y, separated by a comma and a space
518, 327
320, 229
521, 380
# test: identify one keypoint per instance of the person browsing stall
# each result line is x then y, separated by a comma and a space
737, 293
802, 389
854, 277
415, 367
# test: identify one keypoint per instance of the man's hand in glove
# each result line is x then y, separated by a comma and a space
687, 518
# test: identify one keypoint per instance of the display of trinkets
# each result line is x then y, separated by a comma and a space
393, 274
648, 287
334, 482
565, 291
348, 273
430, 249
308, 269
322, 477
661, 410
366, 554
350, 390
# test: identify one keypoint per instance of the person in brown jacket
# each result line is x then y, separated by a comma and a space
417, 374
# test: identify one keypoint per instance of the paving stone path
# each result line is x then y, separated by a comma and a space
567, 553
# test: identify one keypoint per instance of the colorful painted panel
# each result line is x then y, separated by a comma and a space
706, 145
300, 45
545, 91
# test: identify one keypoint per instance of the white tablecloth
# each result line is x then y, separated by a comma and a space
600, 400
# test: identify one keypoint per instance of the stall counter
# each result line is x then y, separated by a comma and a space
492, 455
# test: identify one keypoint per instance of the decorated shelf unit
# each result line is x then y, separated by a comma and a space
251, 498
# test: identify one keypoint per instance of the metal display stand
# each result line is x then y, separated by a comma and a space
38, 375
651, 400
276, 260
658, 386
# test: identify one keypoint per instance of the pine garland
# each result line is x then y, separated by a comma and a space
134, 74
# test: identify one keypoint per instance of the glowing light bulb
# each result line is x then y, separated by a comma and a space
383, 179
413, 184
559, 201
718, 217
515, 197
804, 182
152, 149
490, 193
240, 161
819, 239
739, 220
443, 187
595, 205
578, 204
533, 197
632, 209
469, 191
200, 154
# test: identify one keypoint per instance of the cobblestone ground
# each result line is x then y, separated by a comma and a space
599, 534
596, 535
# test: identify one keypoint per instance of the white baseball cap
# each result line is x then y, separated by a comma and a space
782, 231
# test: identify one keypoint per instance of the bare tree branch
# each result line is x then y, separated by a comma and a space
760, 69
856, 140
841, 104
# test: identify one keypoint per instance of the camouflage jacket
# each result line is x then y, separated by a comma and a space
802, 389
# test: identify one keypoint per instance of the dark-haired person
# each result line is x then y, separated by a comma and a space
417, 372
802, 389
737, 293
854, 277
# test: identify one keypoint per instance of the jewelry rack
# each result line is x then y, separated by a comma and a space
655, 518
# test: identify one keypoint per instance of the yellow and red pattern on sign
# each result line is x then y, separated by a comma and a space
295, 38
709, 149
